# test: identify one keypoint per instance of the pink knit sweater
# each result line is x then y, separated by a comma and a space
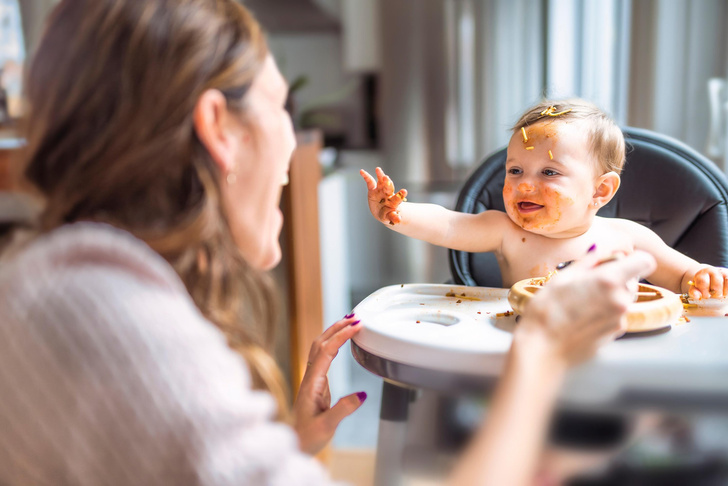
109, 375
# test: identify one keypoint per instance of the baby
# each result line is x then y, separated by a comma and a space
563, 164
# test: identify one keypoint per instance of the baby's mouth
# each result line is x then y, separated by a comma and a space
528, 207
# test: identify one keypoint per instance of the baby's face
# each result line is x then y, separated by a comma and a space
551, 179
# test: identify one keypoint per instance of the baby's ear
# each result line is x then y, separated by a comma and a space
606, 188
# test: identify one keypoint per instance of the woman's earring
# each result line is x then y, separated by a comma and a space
595, 203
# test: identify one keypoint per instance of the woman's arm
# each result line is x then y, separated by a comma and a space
557, 331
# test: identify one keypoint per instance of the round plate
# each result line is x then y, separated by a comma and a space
655, 307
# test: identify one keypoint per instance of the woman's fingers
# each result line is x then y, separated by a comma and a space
318, 431
636, 265
343, 408
336, 327
325, 350
585, 304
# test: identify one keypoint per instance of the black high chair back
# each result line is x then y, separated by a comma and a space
666, 185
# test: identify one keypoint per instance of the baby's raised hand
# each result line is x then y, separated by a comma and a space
383, 201
709, 282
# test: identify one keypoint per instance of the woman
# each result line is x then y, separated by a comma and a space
158, 139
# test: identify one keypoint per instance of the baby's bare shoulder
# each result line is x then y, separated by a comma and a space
618, 224
625, 228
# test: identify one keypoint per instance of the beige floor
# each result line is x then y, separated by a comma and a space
356, 467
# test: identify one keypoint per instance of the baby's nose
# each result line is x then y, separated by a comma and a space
525, 187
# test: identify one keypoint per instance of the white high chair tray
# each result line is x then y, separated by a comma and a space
420, 325
687, 361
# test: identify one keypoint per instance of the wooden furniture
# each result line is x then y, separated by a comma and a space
9, 145
300, 207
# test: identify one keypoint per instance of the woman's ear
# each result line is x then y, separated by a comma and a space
212, 122
607, 186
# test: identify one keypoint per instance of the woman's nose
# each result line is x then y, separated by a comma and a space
525, 187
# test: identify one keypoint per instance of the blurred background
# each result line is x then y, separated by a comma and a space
426, 89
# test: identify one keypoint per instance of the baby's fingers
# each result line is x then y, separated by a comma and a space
701, 285
401, 195
718, 282
389, 215
371, 181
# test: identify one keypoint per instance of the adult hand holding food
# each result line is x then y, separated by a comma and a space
580, 308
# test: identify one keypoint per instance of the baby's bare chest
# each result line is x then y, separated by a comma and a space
527, 255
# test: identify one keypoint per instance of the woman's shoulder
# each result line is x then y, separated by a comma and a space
103, 288
79, 247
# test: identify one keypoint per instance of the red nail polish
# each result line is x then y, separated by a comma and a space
361, 396
355, 323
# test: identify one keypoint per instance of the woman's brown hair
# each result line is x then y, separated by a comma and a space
110, 137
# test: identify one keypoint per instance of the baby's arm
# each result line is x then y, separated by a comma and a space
433, 223
679, 272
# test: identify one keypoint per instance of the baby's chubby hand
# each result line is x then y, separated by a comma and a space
709, 282
383, 201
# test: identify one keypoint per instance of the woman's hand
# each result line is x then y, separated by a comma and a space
383, 201
562, 325
315, 420
709, 283
585, 305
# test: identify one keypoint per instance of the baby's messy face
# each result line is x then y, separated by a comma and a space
550, 179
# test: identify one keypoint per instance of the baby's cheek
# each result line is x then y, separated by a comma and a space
507, 191
510, 205
554, 197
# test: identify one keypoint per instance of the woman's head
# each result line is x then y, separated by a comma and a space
112, 133
252, 147
158, 117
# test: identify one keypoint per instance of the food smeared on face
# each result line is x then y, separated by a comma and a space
534, 207
544, 194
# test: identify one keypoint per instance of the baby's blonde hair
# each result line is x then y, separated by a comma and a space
606, 141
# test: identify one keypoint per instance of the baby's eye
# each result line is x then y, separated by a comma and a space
515, 171
549, 172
